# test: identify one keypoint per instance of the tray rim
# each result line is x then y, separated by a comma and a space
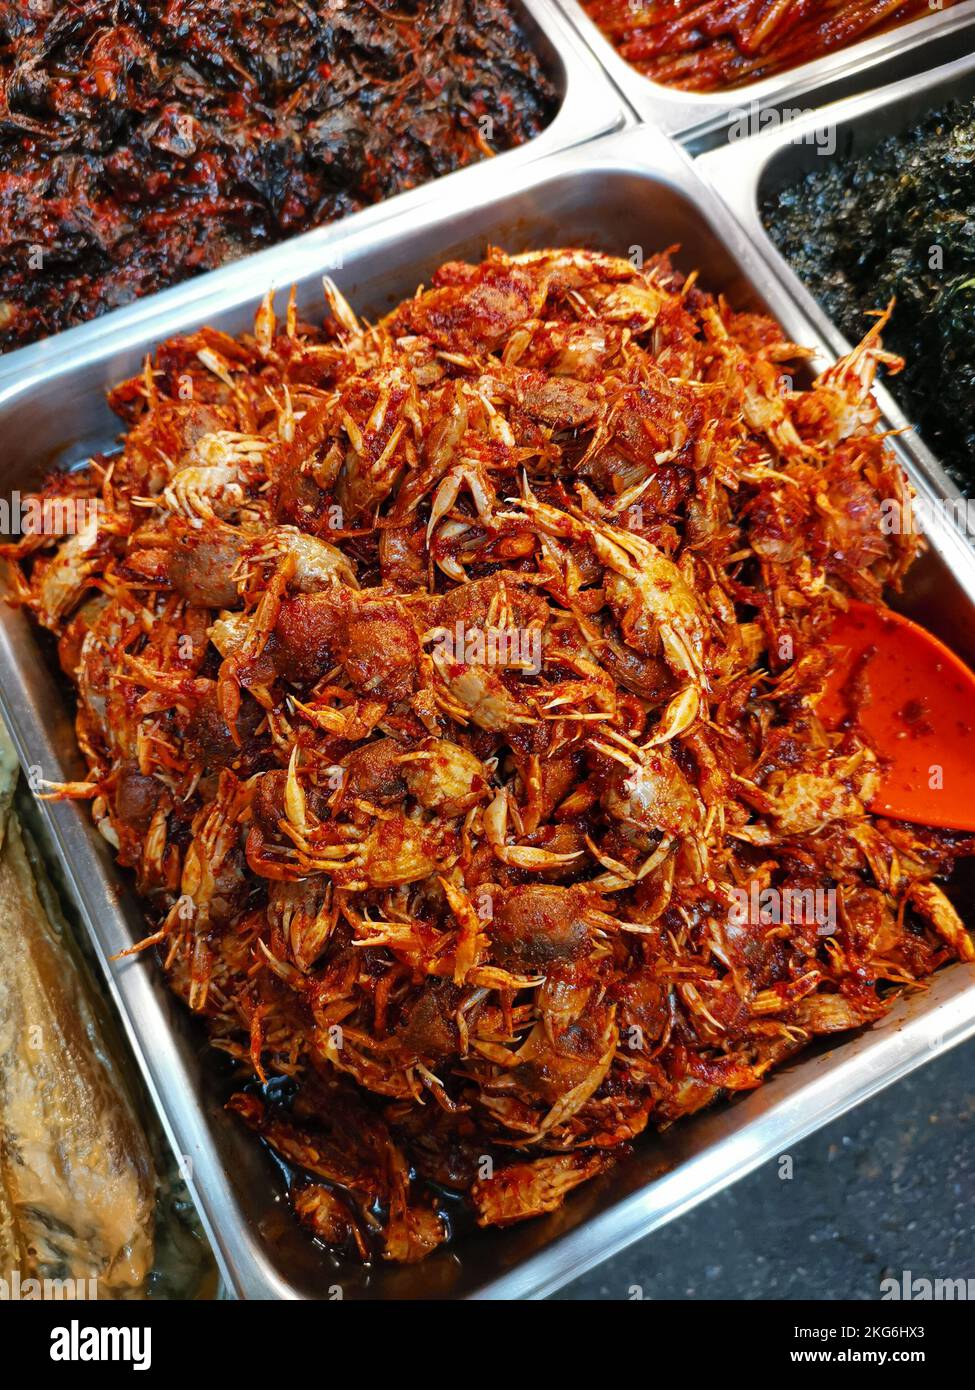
693, 116
736, 175
857, 1068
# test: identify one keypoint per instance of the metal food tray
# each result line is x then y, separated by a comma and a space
588, 106
701, 119
633, 188
745, 174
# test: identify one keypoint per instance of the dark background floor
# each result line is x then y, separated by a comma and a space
888, 1187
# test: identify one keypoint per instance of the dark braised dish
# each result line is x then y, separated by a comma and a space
143, 143
450, 687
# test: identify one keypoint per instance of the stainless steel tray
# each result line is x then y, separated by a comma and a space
634, 188
589, 106
700, 119
745, 174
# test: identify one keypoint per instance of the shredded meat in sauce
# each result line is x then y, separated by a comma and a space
711, 45
144, 143
445, 683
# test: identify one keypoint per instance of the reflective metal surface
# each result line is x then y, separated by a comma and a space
745, 174
701, 119
633, 188
589, 106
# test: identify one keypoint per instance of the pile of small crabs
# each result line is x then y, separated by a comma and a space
445, 681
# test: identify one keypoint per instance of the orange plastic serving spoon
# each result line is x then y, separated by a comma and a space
920, 715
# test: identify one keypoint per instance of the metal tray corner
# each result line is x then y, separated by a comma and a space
702, 120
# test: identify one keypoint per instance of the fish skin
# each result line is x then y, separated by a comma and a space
77, 1183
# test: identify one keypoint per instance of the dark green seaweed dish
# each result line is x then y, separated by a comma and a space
899, 220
